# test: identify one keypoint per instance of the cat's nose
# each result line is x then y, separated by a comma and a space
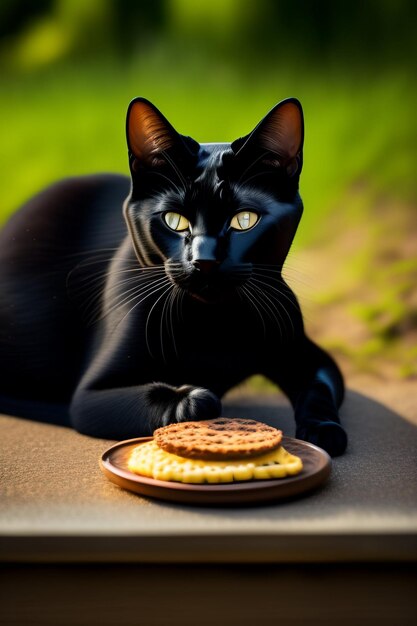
206, 267
204, 254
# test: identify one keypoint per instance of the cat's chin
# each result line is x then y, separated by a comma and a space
211, 297
205, 299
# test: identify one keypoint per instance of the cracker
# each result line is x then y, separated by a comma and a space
147, 459
218, 439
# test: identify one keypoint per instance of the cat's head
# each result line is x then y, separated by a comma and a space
213, 213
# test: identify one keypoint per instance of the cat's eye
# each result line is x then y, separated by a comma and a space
176, 221
244, 220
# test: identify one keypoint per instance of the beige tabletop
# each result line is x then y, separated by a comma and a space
57, 506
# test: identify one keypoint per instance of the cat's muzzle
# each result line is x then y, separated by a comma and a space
212, 283
210, 280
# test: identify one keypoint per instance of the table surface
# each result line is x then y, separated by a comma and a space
57, 506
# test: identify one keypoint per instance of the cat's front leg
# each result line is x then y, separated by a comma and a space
136, 411
317, 418
313, 383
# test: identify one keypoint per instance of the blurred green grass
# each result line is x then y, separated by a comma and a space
68, 119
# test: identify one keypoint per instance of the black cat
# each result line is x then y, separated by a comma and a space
183, 305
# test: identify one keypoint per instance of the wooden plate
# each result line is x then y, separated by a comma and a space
316, 470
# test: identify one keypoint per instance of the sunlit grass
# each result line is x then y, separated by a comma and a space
69, 120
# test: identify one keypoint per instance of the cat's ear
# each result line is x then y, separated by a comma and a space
150, 136
278, 137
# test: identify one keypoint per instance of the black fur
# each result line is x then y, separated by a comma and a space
118, 331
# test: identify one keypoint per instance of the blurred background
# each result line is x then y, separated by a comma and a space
215, 67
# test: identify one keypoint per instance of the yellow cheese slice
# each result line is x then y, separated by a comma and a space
149, 460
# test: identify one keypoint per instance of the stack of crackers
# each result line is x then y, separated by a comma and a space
221, 450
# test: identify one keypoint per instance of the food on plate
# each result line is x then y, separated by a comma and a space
214, 451
217, 439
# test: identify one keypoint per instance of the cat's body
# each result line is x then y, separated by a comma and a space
119, 330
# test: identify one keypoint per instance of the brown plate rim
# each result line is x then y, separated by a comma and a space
225, 493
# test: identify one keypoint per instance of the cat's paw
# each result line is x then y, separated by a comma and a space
184, 404
196, 403
327, 435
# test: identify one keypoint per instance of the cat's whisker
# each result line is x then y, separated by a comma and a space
295, 280
268, 267
280, 268
170, 286
109, 261
262, 173
169, 322
176, 169
103, 276
174, 266
274, 288
269, 307
161, 324
133, 264
155, 173
137, 289
97, 251
297, 255
141, 278
287, 274
107, 307
275, 298
72, 278
104, 285
295, 270
240, 275
265, 303
280, 292
138, 281
93, 295
177, 268
169, 318
180, 302
249, 297
98, 310
175, 304
260, 303
140, 270
97, 294
254, 162
177, 275
141, 300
